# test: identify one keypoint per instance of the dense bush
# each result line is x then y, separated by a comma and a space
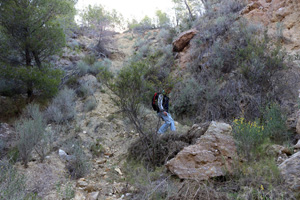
62, 107
249, 136
30, 79
275, 124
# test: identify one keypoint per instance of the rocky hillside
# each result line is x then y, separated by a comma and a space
280, 17
201, 159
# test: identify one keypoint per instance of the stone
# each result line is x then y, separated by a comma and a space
62, 154
93, 196
82, 183
290, 171
79, 195
211, 156
297, 146
90, 188
101, 161
183, 40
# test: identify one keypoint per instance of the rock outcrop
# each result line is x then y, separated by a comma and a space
279, 17
183, 40
290, 171
211, 156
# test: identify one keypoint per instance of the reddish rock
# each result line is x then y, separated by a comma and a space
183, 40
211, 156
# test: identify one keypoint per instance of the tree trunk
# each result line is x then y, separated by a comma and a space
29, 89
189, 9
37, 59
27, 56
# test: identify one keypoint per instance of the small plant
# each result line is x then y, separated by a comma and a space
62, 107
96, 148
90, 104
82, 68
78, 165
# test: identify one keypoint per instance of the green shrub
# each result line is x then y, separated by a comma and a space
62, 107
275, 126
249, 136
32, 79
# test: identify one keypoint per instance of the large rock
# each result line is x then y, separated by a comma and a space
211, 156
183, 40
290, 171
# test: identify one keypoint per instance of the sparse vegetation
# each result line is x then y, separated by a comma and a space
12, 183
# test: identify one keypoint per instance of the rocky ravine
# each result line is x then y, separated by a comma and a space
106, 125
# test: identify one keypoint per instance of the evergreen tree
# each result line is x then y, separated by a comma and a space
31, 30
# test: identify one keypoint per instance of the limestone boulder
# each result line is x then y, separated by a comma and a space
211, 156
290, 171
183, 40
